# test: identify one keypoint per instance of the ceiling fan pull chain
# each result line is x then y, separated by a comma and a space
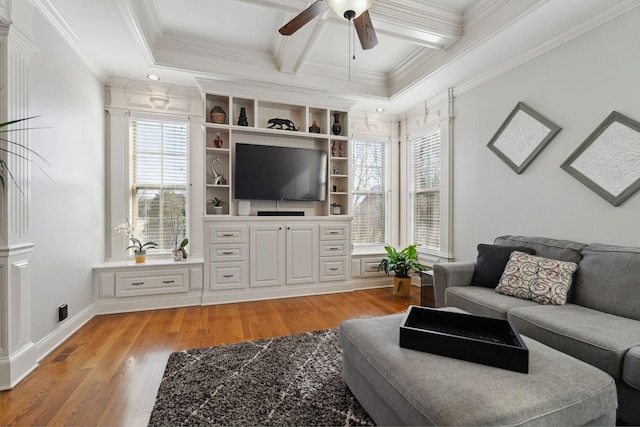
353, 40
349, 44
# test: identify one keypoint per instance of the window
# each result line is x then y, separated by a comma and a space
425, 190
159, 176
369, 170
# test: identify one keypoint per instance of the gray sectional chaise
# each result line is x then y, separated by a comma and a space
599, 324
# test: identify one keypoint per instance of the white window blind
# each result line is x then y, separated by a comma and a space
369, 170
159, 180
425, 189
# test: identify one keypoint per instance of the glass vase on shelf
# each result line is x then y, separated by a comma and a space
217, 142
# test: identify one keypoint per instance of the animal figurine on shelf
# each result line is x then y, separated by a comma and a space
285, 124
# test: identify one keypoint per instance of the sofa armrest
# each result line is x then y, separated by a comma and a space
451, 274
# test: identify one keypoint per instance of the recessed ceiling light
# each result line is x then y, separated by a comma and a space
379, 109
153, 77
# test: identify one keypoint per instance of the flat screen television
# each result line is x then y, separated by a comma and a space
266, 172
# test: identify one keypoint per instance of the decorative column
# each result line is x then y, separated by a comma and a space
17, 350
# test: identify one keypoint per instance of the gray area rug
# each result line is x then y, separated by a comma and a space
293, 380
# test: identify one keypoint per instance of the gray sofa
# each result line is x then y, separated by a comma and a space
599, 324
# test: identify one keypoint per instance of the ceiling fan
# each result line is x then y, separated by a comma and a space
352, 10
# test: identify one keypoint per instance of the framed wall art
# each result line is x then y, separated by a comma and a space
522, 137
608, 161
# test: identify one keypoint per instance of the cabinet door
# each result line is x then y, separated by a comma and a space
266, 255
302, 254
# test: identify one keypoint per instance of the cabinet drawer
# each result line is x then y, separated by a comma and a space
333, 232
152, 283
228, 275
329, 248
369, 267
232, 252
333, 269
228, 234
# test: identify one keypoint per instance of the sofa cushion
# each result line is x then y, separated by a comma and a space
483, 301
491, 262
631, 367
608, 280
543, 280
598, 338
563, 250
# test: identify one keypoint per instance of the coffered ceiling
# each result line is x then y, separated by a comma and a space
425, 46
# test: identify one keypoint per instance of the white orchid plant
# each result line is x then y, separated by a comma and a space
138, 246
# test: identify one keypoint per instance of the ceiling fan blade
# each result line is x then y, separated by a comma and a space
303, 18
366, 33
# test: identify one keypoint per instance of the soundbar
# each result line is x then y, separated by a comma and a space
280, 213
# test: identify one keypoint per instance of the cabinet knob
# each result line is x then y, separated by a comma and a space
137, 283
333, 268
168, 281
226, 276
227, 253
227, 235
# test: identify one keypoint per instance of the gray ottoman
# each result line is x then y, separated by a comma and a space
399, 386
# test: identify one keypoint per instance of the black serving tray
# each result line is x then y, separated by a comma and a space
493, 342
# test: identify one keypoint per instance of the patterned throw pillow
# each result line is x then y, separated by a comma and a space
543, 280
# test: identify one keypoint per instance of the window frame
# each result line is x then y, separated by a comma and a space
134, 187
438, 113
385, 193
423, 137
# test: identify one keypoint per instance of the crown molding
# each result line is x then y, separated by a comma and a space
614, 11
478, 11
142, 20
427, 22
52, 15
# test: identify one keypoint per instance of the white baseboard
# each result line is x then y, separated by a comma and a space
18, 366
15, 368
63, 332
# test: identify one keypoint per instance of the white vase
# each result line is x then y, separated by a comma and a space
217, 210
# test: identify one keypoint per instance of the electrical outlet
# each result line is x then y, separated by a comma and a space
63, 312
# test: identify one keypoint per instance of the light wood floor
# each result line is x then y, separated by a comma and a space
108, 373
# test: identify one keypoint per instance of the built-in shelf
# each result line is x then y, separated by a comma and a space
295, 133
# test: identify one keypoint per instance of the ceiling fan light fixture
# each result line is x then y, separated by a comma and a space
349, 9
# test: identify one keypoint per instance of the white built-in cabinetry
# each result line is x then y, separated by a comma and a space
251, 258
127, 286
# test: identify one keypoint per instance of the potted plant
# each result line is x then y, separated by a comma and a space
402, 263
140, 249
336, 208
180, 253
218, 204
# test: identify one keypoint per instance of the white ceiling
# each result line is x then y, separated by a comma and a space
425, 46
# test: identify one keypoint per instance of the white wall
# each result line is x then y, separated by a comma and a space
67, 215
575, 85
